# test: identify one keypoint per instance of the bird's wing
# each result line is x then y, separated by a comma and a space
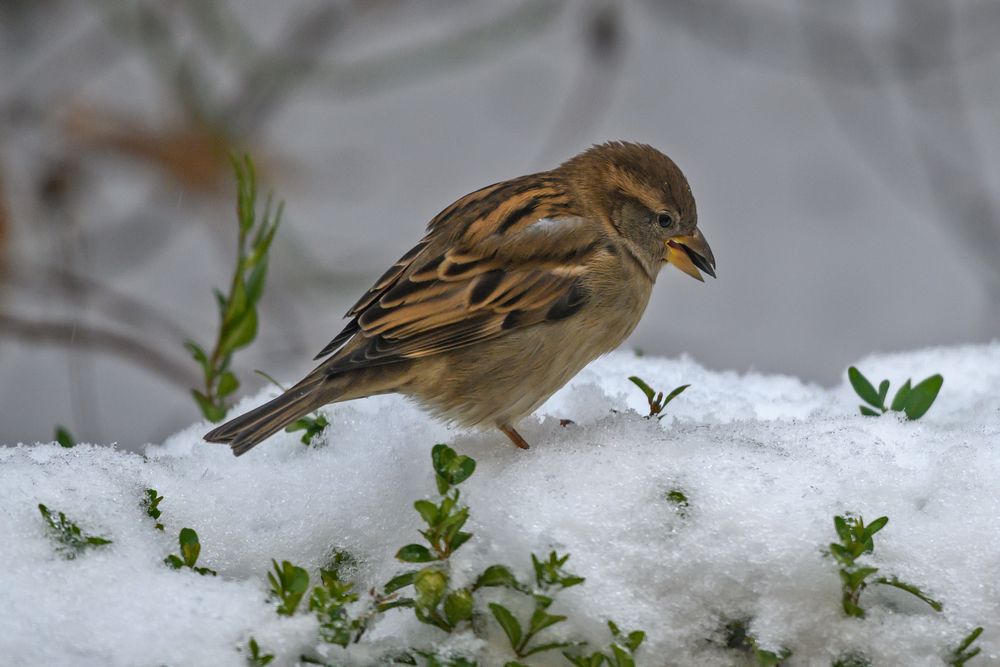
451, 292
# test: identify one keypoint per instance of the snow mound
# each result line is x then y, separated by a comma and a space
764, 461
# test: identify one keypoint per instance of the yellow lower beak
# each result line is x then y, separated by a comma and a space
690, 253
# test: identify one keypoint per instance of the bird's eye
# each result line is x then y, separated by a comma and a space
665, 219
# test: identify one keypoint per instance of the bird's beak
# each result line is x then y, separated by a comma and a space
690, 253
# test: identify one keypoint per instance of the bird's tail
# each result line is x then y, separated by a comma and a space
247, 430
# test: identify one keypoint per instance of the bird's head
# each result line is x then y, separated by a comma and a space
647, 201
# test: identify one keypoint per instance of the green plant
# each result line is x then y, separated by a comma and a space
550, 578
852, 660
64, 438
72, 540
238, 308
151, 503
312, 424
432, 660
680, 502
737, 636
329, 601
254, 656
621, 652
856, 540
913, 401
434, 603
288, 583
964, 651
190, 549
657, 401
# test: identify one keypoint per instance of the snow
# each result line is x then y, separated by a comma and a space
765, 461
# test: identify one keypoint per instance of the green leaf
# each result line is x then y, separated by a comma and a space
458, 540
428, 511
841, 527
190, 547
289, 583
209, 410
441, 456
174, 561
545, 647
634, 640
921, 397
393, 604
899, 401
458, 606
430, 584
415, 553
962, 654
868, 412
863, 387
912, 590
64, 438
242, 332
883, 391
227, 384
399, 581
497, 575
674, 394
643, 387
541, 619
198, 354
255, 283
510, 626
622, 657
460, 469
875, 526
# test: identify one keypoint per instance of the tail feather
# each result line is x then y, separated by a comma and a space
247, 430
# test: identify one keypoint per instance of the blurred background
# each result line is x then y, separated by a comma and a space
845, 158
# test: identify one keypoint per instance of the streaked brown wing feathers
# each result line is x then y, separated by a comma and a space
461, 285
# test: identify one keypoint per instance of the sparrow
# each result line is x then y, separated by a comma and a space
510, 293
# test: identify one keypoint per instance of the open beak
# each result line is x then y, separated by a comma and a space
690, 253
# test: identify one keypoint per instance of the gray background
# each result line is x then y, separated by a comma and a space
844, 157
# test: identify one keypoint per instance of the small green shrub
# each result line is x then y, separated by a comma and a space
737, 636
329, 600
856, 540
621, 652
964, 652
151, 503
657, 401
313, 424
72, 541
64, 438
913, 401
255, 658
190, 549
289, 584
238, 308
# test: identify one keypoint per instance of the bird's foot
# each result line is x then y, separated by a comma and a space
514, 436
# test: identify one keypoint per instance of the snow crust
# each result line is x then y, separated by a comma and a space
765, 461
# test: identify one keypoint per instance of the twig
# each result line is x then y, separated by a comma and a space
67, 334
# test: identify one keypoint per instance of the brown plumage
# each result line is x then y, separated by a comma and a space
512, 291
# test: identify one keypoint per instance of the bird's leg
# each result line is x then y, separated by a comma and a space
514, 436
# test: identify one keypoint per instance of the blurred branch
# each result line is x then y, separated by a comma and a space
456, 51
773, 37
933, 122
114, 304
71, 334
273, 75
604, 43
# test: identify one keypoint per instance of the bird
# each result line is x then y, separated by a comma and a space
512, 291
